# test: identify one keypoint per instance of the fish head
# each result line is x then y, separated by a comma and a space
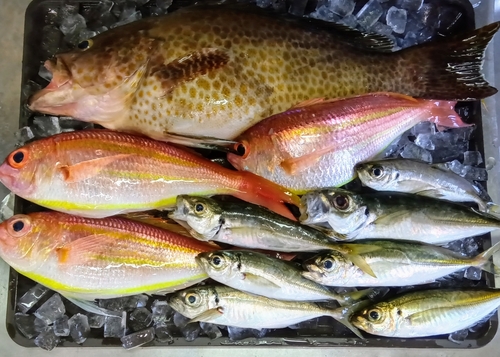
379, 319
96, 82
342, 210
193, 302
220, 265
201, 214
27, 168
378, 175
25, 241
323, 267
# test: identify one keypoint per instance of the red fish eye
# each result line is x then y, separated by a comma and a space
19, 225
242, 149
17, 159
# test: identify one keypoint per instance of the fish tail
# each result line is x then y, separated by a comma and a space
343, 315
443, 114
258, 190
490, 208
483, 260
450, 68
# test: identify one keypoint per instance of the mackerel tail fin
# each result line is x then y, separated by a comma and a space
344, 314
449, 69
483, 260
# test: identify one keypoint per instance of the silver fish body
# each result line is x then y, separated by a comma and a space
394, 264
223, 305
411, 176
393, 216
427, 313
245, 225
259, 274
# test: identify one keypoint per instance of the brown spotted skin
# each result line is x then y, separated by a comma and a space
216, 71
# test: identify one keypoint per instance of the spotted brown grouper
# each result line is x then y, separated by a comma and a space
215, 70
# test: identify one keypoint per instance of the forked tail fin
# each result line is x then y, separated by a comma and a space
449, 68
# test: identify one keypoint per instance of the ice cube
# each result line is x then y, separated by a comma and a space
425, 34
164, 4
425, 141
65, 11
24, 134
79, 328
100, 29
324, 13
298, 7
161, 311
7, 211
70, 124
115, 326
473, 273
470, 247
61, 326
51, 310
45, 73
191, 331
47, 339
413, 151
473, 158
46, 126
458, 336
131, 18
410, 40
263, 3
397, 146
381, 29
33, 295
95, 320
410, 5
474, 173
140, 319
211, 330
85, 34
342, 7
490, 163
26, 324
180, 320
139, 338
40, 324
396, 19
369, 14
350, 21
30, 88
72, 24
424, 127
51, 40
127, 303
163, 333
311, 324
236, 333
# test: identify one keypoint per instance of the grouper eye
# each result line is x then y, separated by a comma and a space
85, 45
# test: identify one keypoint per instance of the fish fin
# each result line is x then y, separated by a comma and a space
76, 251
483, 260
361, 264
160, 222
450, 69
258, 190
308, 103
491, 209
295, 165
189, 67
431, 193
352, 297
343, 315
90, 306
200, 142
353, 253
88, 169
258, 280
208, 315
388, 220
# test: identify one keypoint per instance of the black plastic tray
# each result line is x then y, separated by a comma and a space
330, 333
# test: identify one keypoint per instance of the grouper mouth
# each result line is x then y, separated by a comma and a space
56, 97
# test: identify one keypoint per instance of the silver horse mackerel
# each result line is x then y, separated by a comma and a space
393, 216
394, 264
427, 313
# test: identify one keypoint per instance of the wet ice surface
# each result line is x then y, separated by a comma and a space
51, 310
7, 207
407, 22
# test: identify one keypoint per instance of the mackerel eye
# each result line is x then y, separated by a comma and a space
216, 260
200, 207
341, 202
377, 172
327, 264
374, 315
191, 298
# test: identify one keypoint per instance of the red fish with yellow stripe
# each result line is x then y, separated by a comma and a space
99, 173
87, 259
316, 144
